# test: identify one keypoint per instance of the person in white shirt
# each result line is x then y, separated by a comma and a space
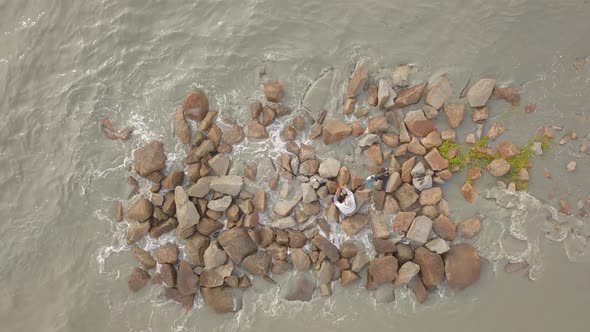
344, 200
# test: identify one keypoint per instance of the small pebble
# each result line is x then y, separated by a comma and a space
571, 166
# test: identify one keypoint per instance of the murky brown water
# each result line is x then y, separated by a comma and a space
66, 64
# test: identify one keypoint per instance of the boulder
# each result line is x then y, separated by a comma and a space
144, 258
283, 223
393, 183
498, 167
195, 105
406, 195
168, 274
438, 246
214, 256
403, 221
454, 112
137, 231
273, 91
480, 92
329, 168
172, 180
219, 205
410, 96
187, 281
435, 160
326, 247
234, 135
219, 164
439, 93
201, 188
469, 227
418, 289
181, 128
432, 268
417, 124
377, 124
357, 81
309, 194
258, 263
228, 184
354, 224
167, 254
237, 244
221, 299
430, 196
216, 276
379, 225
186, 211
406, 273
462, 266
255, 130
335, 130
348, 277
299, 288
444, 227
137, 279
367, 140
149, 158
300, 259
285, 207
195, 246
141, 210
383, 270
420, 230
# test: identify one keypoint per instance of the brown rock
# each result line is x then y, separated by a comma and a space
432, 268
415, 147
234, 135
300, 259
383, 270
348, 278
357, 129
377, 124
250, 170
390, 139
137, 279
348, 249
454, 112
435, 160
373, 156
406, 195
316, 131
185, 300
221, 299
432, 140
237, 243
468, 192
495, 131
326, 247
498, 167
349, 105
407, 166
404, 253
462, 266
273, 91
141, 210
172, 180
357, 81
163, 228
187, 281
354, 224
430, 196
469, 227
167, 254
244, 282
168, 274
417, 124
149, 158
255, 109
403, 220
418, 289
258, 263
507, 149
280, 267
410, 95
255, 130
144, 258
479, 114
195, 247
508, 93
196, 105
268, 116
480, 92
137, 231
438, 93
371, 94
444, 227
182, 130
207, 122
196, 153
289, 133
335, 130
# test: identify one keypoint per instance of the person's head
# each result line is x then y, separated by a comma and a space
341, 196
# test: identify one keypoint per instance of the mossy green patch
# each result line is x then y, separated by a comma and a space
456, 162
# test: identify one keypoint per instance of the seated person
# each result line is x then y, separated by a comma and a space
344, 200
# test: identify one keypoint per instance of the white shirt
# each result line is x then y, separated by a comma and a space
348, 206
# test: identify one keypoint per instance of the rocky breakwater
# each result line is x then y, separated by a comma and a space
231, 234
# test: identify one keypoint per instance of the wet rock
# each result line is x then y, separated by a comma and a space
354, 224
258, 263
420, 230
406, 273
359, 262
299, 288
495, 131
325, 272
511, 267
417, 124
480, 92
329, 168
357, 81
348, 278
435, 160
255, 130
400, 75
537, 149
195, 246
498, 167
187, 281
285, 207
371, 94
237, 244
410, 96
150, 158
186, 212
454, 112
383, 270
508, 93
196, 105
137, 279
507, 149
144, 258
234, 135
418, 289
185, 300
406, 196
215, 277
383, 94
201, 188
462, 266
221, 299
182, 130
273, 91
214, 256
430, 196
379, 225
403, 221
163, 228
244, 282
228, 184
168, 273
468, 192
300, 260
207, 122
309, 194
137, 231
438, 94
335, 130
469, 227
373, 156
444, 227
422, 183
325, 290
268, 116
283, 223
167, 253
390, 139
479, 114
357, 129
315, 131
432, 268
326, 247
255, 109
219, 164
348, 250
438, 246
377, 124
404, 253
349, 105
141, 210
